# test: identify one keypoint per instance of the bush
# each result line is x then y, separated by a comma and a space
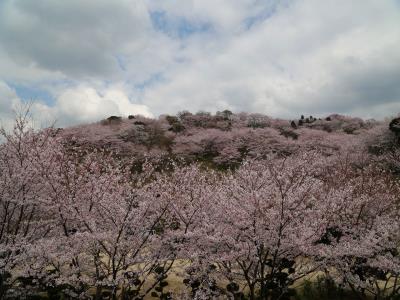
322, 288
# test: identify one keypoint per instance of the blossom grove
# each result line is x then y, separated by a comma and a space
200, 206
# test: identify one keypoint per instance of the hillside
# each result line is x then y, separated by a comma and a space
225, 139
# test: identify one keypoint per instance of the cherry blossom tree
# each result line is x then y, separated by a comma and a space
189, 190
75, 219
106, 230
265, 226
23, 219
362, 240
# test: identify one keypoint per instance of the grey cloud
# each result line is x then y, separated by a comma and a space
77, 38
360, 88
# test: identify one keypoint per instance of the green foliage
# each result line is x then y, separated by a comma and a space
160, 273
4, 283
234, 290
175, 123
323, 288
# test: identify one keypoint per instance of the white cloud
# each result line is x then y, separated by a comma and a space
282, 58
80, 104
9, 102
85, 104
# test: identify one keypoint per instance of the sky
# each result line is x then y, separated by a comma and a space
80, 61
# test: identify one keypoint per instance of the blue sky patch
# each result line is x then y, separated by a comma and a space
259, 18
121, 62
271, 8
29, 93
177, 27
154, 78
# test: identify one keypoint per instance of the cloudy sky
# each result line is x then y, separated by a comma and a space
83, 60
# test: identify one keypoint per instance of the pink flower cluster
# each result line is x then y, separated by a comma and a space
80, 221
